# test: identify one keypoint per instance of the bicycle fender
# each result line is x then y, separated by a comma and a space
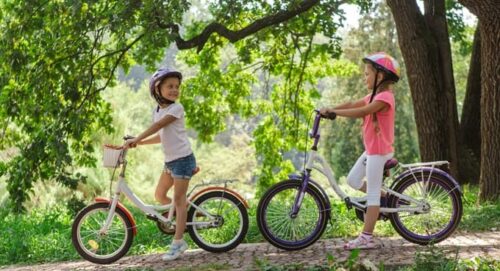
124, 209
431, 171
314, 184
218, 188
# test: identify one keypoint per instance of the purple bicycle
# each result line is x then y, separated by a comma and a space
424, 203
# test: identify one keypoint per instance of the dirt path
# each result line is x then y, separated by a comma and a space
394, 251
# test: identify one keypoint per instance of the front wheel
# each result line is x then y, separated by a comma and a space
226, 229
283, 230
442, 209
101, 247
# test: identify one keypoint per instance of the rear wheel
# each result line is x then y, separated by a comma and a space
442, 209
280, 228
105, 247
228, 227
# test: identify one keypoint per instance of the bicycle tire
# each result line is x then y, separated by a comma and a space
213, 238
436, 185
80, 245
316, 202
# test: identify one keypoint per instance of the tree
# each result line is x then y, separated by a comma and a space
424, 39
488, 13
470, 128
54, 68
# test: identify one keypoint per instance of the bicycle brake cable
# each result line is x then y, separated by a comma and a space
111, 184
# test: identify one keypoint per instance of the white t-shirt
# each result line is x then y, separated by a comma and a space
173, 137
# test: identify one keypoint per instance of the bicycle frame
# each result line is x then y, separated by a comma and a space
312, 163
154, 210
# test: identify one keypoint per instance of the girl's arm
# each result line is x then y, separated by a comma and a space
348, 105
151, 130
362, 111
151, 140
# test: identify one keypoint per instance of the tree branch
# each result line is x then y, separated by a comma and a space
234, 36
121, 52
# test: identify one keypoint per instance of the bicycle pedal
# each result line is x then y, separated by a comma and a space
151, 217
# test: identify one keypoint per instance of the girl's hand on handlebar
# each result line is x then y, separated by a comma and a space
328, 114
130, 143
323, 111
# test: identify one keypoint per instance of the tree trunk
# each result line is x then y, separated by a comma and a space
488, 14
426, 49
470, 128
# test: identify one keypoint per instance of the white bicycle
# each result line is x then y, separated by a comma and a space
217, 219
424, 203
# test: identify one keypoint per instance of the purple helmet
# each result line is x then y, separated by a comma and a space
157, 78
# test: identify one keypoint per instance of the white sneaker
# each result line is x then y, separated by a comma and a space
175, 251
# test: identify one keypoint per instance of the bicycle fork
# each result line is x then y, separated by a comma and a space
300, 195
111, 214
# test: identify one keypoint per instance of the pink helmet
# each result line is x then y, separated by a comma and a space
381, 61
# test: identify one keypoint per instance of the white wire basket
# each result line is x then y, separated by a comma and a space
111, 157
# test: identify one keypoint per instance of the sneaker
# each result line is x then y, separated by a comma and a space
175, 251
361, 243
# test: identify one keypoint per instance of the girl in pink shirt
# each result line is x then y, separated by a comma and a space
377, 110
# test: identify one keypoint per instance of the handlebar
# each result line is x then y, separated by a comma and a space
314, 133
329, 115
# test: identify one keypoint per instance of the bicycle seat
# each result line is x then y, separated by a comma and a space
196, 170
391, 163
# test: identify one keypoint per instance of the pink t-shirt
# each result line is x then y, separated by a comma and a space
379, 137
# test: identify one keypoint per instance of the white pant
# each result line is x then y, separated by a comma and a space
371, 166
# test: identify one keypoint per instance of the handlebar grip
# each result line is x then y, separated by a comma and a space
329, 115
127, 137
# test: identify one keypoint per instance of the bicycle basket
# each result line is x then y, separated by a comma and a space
111, 157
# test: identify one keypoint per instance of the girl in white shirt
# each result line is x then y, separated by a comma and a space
168, 128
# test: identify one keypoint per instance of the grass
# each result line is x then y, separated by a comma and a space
44, 235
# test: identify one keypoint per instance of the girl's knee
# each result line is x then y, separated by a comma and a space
354, 182
160, 194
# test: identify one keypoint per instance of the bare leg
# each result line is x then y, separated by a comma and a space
371, 218
164, 184
180, 190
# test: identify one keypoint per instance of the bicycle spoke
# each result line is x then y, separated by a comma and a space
443, 195
279, 226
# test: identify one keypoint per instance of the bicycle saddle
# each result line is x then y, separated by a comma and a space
391, 163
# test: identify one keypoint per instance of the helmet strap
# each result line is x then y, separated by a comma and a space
162, 100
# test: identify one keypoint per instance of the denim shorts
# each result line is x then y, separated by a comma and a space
181, 168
